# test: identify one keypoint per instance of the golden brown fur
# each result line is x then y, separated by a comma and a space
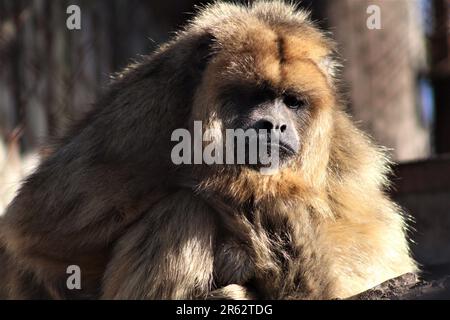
110, 200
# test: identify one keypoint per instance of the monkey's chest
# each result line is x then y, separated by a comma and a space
265, 261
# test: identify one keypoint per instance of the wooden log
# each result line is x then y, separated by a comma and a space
408, 287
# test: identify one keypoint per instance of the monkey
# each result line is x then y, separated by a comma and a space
109, 199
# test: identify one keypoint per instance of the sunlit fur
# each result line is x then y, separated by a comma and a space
337, 182
109, 199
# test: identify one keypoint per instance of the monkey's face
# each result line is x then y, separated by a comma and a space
270, 80
273, 116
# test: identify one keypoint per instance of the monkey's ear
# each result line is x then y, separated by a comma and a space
329, 66
202, 52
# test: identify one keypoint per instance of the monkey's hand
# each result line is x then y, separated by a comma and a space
231, 292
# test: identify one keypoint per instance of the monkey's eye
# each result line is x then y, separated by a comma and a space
293, 102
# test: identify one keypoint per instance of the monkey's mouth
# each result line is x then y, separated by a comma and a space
285, 150
270, 154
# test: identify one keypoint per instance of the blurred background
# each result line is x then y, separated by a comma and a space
396, 82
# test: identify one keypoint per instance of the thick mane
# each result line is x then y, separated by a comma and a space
272, 12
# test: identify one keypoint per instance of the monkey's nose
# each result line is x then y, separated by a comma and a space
270, 124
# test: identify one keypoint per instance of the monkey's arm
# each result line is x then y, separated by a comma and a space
172, 254
167, 255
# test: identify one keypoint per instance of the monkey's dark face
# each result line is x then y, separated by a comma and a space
274, 116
